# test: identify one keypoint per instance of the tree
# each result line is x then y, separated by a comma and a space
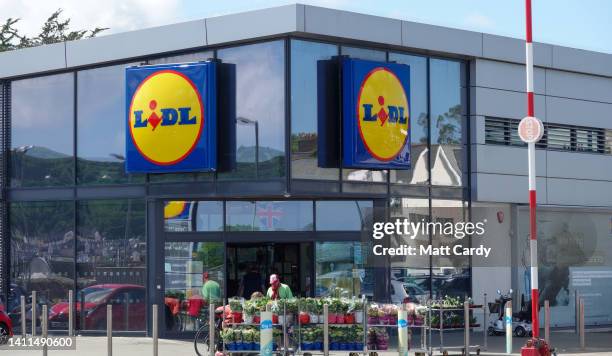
54, 30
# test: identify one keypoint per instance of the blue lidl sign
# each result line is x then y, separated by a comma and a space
171, 118
376, 115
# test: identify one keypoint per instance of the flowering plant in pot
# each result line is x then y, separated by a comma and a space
383, 318
382, 339
236, 308
391, 312
250, 310
247, 339
309, 337
256, 339
227, 335
238, 340
273, 306
373, 314
356, 308
336, 335
335, 311
357, 338
371, 339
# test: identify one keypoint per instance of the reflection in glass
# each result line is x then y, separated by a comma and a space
184, 58
340, 270
410, 274
185, 216
450, 274
269, 216
344, 215
304, 58
101, 127
364, 175
419, 122
446, 122
260, 109
194, 278
111, 264
42, 257
42, 124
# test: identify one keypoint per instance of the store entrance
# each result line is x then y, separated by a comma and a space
249, 267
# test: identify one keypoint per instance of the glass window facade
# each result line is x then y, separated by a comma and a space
260, 110
101, 128
111, 263
304, 58
446, 124
203, 220
42, 257
42, 129
269, 216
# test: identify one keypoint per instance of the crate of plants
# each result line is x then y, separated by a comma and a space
349, 338
377, 339
382, 314
311, 338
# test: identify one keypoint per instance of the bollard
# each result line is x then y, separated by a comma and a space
23, 316
508, 322
466, 325
155, 331
547, 321
211, 329
577, 311
109, 329
582, 341
71, 313
326, 329
485, 321
33, 309
44, 326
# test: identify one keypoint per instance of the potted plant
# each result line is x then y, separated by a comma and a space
309, 305
319, 309
391, 311
356, 308
247, 339
383, 318
236, 308
373, 314
277, 337
382, 339
250, 310
371, 339
358, 338
227, 335
335, 335
238, 340
274, 308
256, 339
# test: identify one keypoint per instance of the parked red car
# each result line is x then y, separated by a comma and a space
128, 301
6, 327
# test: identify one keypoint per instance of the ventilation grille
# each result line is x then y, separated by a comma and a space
500, 131
5, 110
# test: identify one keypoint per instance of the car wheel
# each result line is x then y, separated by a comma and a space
520, 331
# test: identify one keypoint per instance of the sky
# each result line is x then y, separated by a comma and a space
581, 24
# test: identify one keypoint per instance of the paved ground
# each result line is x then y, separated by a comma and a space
566, 343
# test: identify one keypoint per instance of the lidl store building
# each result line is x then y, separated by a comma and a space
282, 197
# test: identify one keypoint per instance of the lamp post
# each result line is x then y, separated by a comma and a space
255, 123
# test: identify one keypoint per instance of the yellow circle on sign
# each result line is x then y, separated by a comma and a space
383, 114
166, 117
174, 208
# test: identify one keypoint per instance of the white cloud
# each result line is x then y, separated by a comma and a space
478, 21
119, 15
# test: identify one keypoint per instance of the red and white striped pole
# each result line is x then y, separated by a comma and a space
533, 246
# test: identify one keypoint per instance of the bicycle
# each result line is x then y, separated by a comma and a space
201, 340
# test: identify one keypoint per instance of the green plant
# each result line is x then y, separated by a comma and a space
291, 305
227, 335
235, 304
373, 310
247, 335
237, 335
250, 307
355, 305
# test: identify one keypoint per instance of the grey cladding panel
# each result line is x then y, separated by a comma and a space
33, 60
579, 192
441, 39
508, 76
579, 165
253, 24
500, 159
579, 60
506, 188
579, 112
503, 103
578, 86
136, 43
352, 25
513, 50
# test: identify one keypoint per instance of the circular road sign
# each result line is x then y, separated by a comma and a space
530, 129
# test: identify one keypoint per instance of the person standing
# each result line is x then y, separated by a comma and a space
278, 290
211, 291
